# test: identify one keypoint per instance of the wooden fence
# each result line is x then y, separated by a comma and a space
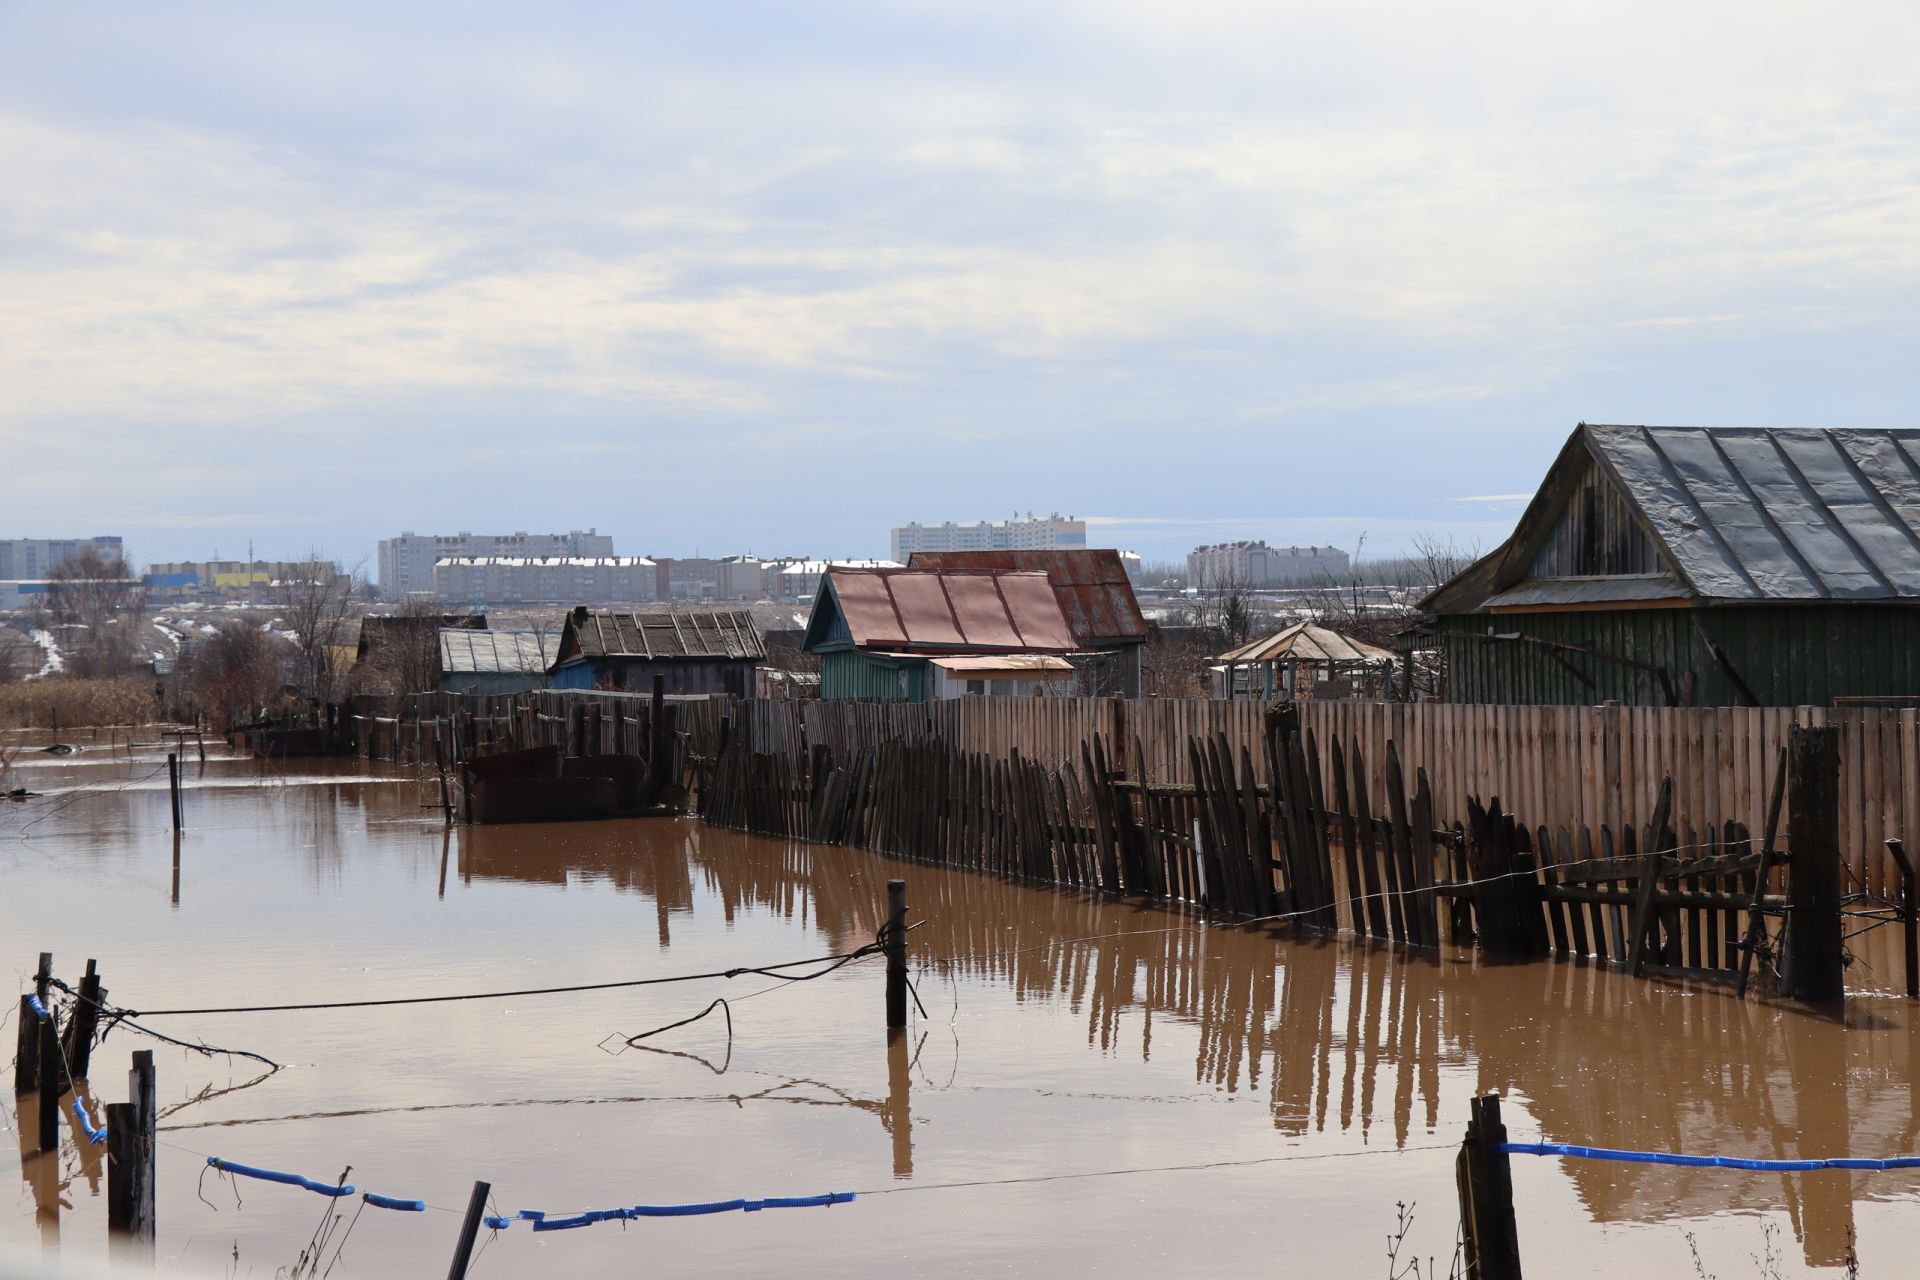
1558, 766
1309, 848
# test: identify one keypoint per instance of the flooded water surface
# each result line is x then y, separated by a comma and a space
1095, 1087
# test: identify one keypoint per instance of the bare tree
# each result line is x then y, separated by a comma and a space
315, 601
1228, 603
236, 673
99, 600
407, 657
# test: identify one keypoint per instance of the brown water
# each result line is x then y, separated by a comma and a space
1063, 1037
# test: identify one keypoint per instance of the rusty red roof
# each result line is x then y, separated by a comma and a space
1092, 587
961, 611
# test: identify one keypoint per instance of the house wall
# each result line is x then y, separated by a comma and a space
635, 675
1788, 655
851, 674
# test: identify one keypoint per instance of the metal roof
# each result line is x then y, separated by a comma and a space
956, 611
1306, 642
1038, 665
1740, 514
664, 633
1094, 591
466, 652
1767, 513
1623, 589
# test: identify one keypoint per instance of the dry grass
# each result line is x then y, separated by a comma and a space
34, 704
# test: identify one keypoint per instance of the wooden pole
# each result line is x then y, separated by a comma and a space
26, 1049
657, 741
1909, 915
1490, 1240
131, 1151
86, 1018
50, 1083
896, 955
469, 1230
1813, 845
173, 786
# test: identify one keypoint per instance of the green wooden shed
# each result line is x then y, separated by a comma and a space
1700, 566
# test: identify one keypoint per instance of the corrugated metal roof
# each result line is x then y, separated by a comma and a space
956, 611
666, 633
1769, 513
1305, 642
1039, 664
1094, 591
466, 652
1627, 588
1741, 514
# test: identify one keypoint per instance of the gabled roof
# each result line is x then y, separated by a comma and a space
1094, 591
1306, 642
377, 629
954, 611
662, 634
519, 653
1740, 514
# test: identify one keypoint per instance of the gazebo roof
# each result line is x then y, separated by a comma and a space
1306, 642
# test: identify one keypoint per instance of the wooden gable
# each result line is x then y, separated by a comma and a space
1596, 534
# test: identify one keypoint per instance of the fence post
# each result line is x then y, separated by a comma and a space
50, 1082
1489, 1238
173, 785
130, 1156
1813, 845
469, 1230
1909, 915
80, 1026
26, 1049
896, 955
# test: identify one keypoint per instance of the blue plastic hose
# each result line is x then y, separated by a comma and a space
95, 1136
39, 1009
1708, 1162
286, 1179
379, 1201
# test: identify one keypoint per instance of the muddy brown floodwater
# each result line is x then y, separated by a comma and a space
1096, 1087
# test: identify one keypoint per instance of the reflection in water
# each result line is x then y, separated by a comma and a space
1339, 1034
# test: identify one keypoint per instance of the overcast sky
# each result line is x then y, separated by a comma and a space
775, 278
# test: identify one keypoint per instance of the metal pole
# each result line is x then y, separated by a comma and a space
173, 786
470, 1230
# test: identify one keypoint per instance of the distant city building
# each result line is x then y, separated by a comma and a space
1255, 564
406, 562
570, 580
36, 557
1050, 533
800, 579
237, 579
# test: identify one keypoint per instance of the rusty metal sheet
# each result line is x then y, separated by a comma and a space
867, 604
956, 612
666, 633
924, 609
1092, 587
1035, 611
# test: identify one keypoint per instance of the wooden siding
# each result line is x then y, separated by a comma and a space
1596, 534
1787, 655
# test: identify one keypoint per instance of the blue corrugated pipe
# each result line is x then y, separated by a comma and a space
1706, 1162
287, 1179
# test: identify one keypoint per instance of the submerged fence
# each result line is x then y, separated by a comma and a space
1576, 767
1311, 847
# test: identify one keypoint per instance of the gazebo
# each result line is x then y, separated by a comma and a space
1294, 661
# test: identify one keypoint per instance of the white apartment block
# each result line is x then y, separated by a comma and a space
1047, 533
800, 579
407, 562
568, 580
36, 557
1255, 564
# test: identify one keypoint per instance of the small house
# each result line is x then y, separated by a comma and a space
1095, 593
1683, 566
919, 635
695, 650
493, 662
1303, 662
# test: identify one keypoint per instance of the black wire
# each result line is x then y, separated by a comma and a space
768, 970
719, 1004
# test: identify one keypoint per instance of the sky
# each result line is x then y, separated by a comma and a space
723, 278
